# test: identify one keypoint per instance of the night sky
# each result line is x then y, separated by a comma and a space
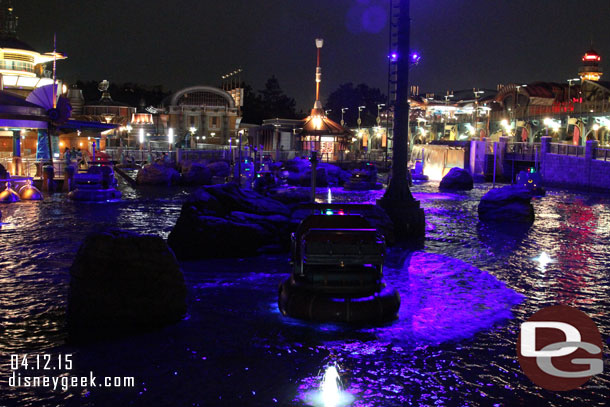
464, 43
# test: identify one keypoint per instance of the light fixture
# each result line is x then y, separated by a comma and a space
170, 136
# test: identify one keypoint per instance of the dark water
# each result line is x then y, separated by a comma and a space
463, 297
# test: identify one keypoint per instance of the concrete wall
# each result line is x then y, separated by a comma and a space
574, 172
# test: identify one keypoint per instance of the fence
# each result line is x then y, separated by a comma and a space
567, 149
523, 151
602, 154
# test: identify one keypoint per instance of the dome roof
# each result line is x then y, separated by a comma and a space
14, 43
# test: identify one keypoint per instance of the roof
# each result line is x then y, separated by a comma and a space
12, 99
318, 123
14, 43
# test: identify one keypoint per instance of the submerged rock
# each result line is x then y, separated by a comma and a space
196, 174
157, 174
507, 204
122, 282
457, 179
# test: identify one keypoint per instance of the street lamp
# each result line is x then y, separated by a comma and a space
379, 106
447, 97
192, 130
569, 102
359, 121
477, 93
343, 109
517, 106
327, 111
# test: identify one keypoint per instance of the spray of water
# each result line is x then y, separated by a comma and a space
330, 388
330, 393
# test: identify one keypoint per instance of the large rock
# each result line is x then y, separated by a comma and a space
121, 282
299, 173
291, 195
157, 174
196, 174
507, 204
457, 179
219, 169
197, 236
335, 176
234, 198
225, 221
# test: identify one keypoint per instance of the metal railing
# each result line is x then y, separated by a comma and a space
523, 151
602, 154
567, 149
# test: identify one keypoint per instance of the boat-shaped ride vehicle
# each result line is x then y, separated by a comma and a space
337, 269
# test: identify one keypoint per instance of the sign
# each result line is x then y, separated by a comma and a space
560, 348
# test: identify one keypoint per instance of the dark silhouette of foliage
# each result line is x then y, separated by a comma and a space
346, 95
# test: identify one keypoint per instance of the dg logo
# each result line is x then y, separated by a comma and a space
560, 348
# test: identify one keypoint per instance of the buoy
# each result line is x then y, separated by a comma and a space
29, 192
8, 195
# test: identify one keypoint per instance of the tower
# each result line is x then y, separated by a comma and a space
590, 69
317, 106
8, 20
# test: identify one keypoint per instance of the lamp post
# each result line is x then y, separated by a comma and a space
359, 121
569, 103
343, 110
193, 130
477, 93
404, 211
128, 128
447, 97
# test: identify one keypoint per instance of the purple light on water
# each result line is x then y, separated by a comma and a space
442, 300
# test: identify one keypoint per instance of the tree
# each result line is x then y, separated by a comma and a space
275, 102
129, 93
253, 111
348, 96
268, 103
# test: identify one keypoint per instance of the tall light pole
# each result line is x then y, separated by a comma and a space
378, 120
569, 103
343, 110
359, 121
404, 211
477, 93
447, 97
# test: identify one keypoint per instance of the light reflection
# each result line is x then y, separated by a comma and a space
543, 260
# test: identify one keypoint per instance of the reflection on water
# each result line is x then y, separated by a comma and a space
454, 343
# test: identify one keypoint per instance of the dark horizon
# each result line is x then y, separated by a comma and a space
478, 44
